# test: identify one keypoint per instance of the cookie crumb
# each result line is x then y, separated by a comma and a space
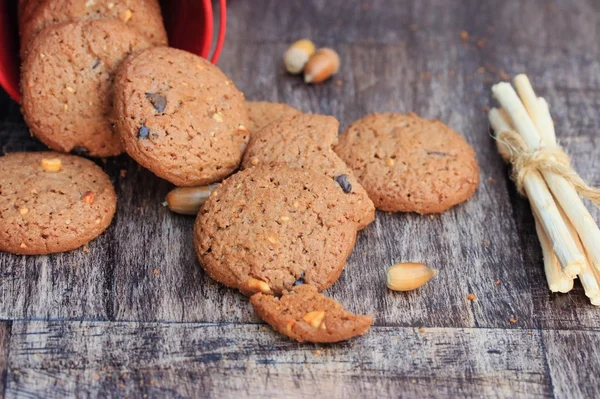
85, 249
481, 70
497, 282
464, 35
317, 352
123, 172
472, 297
421, 330
156, 272
512, 320
485, 242
339, 83
503, 75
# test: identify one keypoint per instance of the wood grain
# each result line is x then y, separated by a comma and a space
182, 360
574, 361
5, 328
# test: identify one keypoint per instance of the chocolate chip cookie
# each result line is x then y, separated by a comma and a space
304, 314
142, 15
67, 84
266, 228
410, 164
180, 116
262, 113
51, 202
306, 141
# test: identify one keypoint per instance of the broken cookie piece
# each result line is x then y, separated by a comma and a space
304, 314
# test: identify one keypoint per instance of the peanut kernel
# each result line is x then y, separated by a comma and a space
314, 318
289, 326
23, 245
88, 197
258, 285
284, 218
389, 162
218, 117
52, 164
254, 161
23, 211
273, 240
70, 89
127, 16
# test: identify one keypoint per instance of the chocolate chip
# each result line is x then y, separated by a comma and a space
300, 280
143, 132
96, 63
159, 102
436, 153
342, 180
80, 150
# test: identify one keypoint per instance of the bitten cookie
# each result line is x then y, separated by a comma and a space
305, 315
306, 141
263, 229
262, 113
179, 116
67, 84
51, 202
410, 164
142, 15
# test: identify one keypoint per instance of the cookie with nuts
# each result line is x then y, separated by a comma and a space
305, 141
67, 84
410, 164
141, 15
262, 113
52, 202
266, 228
180, 116
303, 314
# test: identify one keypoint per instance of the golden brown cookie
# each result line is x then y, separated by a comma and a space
67, 84
141, 15
180, 116
306, 141
410, 164
264, 228
51, 202
262, 113
305, 315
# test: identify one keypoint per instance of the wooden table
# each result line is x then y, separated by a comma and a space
137, 316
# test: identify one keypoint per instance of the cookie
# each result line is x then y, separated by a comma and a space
180, 116
51, 202
262, 113
67, 84
306, 141
410, 164
305, 315
263, 229
141, 15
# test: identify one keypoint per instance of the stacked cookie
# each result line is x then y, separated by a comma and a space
71, 50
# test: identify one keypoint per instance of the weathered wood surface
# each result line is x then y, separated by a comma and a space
60, 359
396, 56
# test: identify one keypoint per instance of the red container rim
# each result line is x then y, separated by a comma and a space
189, 24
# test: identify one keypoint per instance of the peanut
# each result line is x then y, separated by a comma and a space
188, 200
51, 165
314, 318
257, 285
323, 64
408, 276
297, 55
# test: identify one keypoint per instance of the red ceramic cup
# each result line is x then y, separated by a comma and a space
189, 26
